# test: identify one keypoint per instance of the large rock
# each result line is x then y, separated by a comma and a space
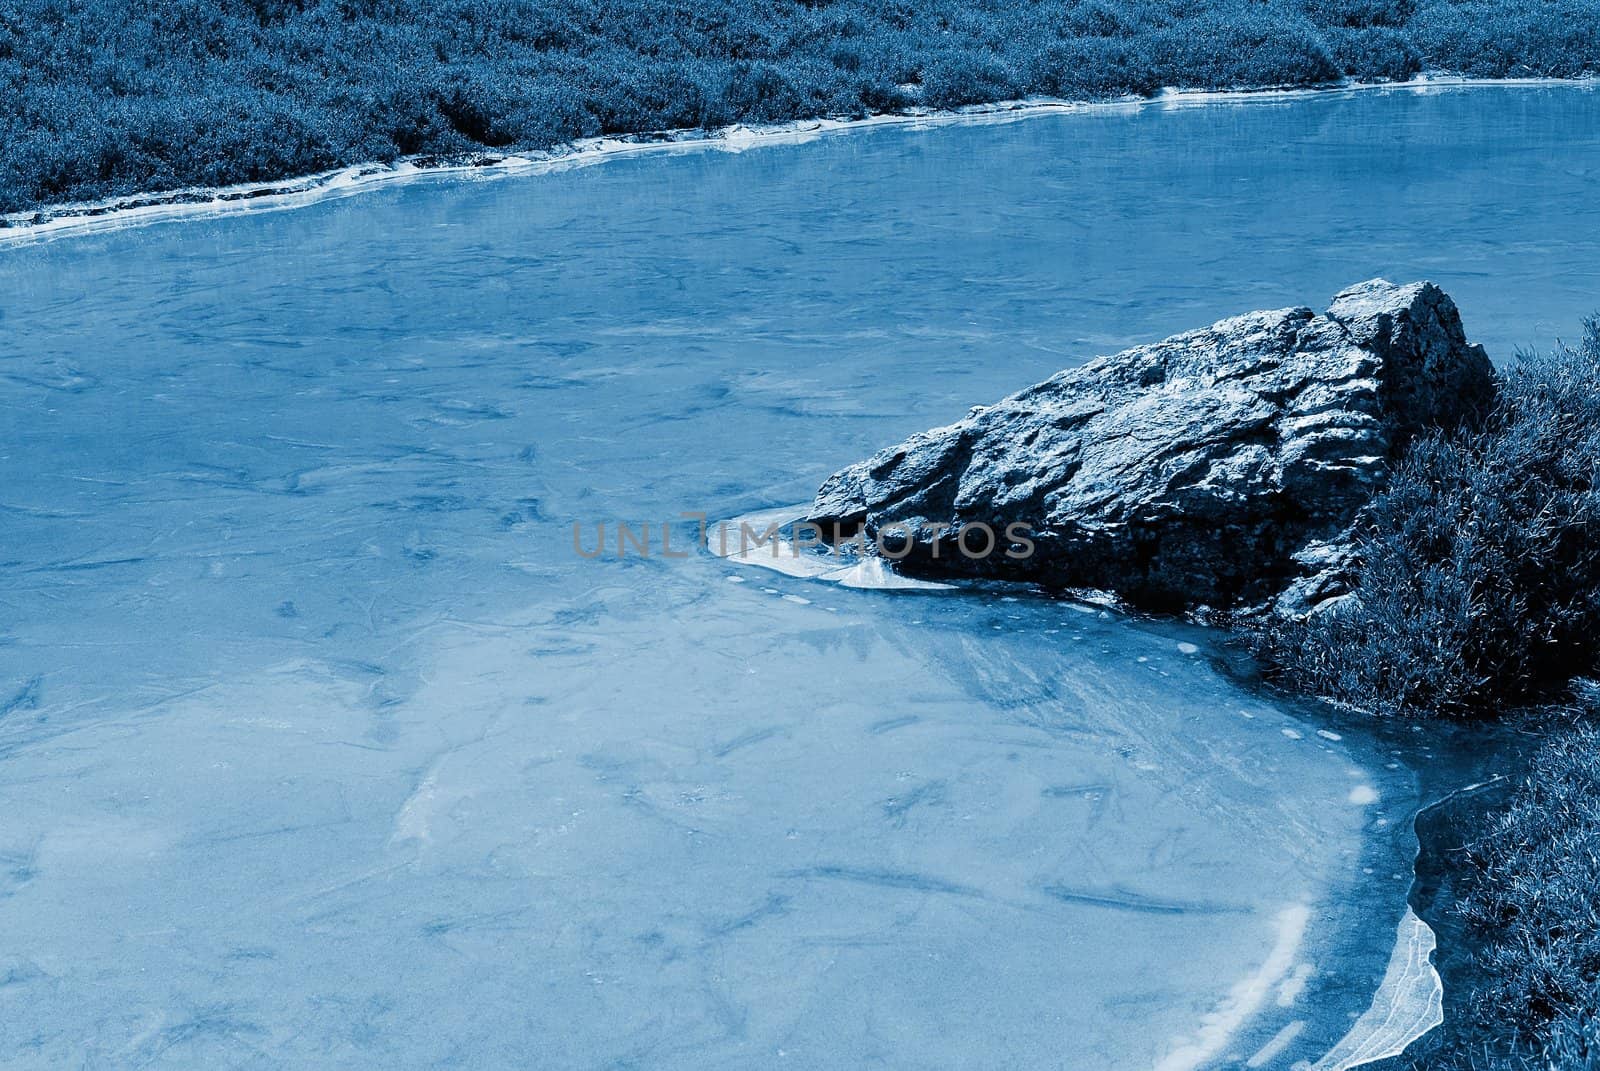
1220, 468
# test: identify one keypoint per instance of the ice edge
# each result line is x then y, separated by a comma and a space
1409, 1003
133, 210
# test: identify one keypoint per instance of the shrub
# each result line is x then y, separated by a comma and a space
103, 96
1530, 902
952, 79
1099, 18
1557, 38
1249, 45
1093, 67
1373, 53
763, 92
1478, 579
1360, 13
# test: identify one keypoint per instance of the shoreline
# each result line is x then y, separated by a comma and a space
1407, 1003
140, 209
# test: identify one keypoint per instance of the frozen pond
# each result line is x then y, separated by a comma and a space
320, 746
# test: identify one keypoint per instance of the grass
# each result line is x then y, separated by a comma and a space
1523, 877
1476, 595
1531, 902
104, 97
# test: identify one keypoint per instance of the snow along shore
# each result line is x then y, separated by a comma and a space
133, 210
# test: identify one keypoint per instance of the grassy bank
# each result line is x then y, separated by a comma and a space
103, 97
1476, 596
1532, 904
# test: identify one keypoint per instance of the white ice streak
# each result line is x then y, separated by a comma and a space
1294, 985
1277, 1044
1409, 1003
1247, 995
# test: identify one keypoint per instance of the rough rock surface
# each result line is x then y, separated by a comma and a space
1222, 467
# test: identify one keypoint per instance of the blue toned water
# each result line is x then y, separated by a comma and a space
319, 746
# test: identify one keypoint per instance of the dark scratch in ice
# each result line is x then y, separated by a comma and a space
1122, 900
754, 736
888, 879
774, 906
929, 792
1088, 791
25, 699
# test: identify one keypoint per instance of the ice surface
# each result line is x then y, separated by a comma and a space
320, 746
